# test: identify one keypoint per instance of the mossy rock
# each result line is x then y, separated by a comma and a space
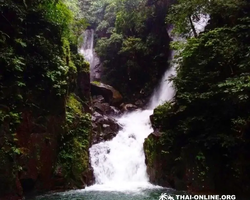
110, 94
74, 156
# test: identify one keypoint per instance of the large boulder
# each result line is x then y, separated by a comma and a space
105, 109
104, 127
110, 94
156, 165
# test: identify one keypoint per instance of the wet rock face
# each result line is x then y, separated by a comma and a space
104, 100
140, 103
37, 139
96, 69
37, 145
102, 107
40, 147
111, 95
105, 126
166, 170
104, 111
83, 85
154, 161
181, 170
128, 107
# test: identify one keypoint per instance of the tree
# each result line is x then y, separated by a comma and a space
133, 44
209, 115
184, 14
39, 66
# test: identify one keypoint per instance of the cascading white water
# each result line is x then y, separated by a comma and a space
201, 23
87, 50
164, 92
119, 164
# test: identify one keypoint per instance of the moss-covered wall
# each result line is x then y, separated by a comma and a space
41, 77
73, 158
185, 162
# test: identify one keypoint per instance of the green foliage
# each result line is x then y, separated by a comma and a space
106, 47
210, 111
130, 18
212, 74
73, 155
74, 6
39, 65
98, 12
151, 148
96, 82
183, 14
133, 44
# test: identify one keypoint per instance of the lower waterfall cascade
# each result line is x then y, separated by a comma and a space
119, 164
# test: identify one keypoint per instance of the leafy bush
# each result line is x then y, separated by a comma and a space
209, 115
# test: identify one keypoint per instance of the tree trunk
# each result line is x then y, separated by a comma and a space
192, 26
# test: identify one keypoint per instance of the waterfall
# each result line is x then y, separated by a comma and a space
164, 92
119, 164
201, 23
87, 50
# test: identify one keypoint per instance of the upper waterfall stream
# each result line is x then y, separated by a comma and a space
87, 50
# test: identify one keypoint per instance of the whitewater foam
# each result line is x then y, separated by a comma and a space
119, 164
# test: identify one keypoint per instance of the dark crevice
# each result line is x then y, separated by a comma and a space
27, 184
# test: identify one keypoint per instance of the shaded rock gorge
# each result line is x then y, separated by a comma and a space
92, 98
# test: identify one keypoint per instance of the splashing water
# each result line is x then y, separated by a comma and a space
165, 91
119, 164
201, 23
